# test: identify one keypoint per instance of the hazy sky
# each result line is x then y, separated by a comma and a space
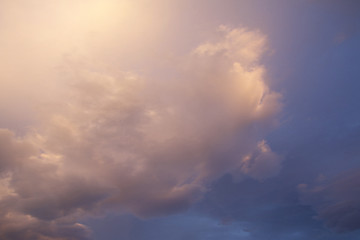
167, 119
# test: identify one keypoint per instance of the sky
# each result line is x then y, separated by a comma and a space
199, 120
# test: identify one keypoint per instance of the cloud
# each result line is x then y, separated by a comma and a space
262, 163
118, 140
17, 227
336, 201
25, 180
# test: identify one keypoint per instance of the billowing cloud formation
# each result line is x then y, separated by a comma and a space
122, 141
337, 201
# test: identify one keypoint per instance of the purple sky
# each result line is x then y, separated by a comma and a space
175, 120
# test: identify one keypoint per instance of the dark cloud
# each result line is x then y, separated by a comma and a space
263, 209
337, 201
18, 228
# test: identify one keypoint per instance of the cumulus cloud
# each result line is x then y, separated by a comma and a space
27, 194
337, 201
118, 140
